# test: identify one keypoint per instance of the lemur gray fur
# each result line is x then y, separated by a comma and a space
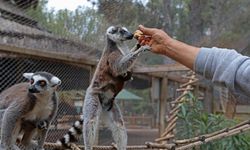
110, 75
27, 111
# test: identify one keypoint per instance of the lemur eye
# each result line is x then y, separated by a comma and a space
122, 31
114, 30
42, 83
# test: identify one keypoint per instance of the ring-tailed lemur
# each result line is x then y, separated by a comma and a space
27, 111
110, 75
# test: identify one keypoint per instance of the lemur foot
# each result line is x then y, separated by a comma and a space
114, 145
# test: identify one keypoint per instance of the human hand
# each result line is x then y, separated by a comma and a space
157, 39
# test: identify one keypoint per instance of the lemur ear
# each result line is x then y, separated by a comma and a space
55, 81
111, 30
28, 75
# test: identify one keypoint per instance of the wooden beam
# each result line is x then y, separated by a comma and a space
73, 58
160, 68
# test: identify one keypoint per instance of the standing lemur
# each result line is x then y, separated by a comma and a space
110, 75
27, 111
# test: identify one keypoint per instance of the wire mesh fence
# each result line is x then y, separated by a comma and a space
25, 46
75, 80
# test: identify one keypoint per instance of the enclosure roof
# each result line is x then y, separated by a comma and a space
126, 95
36, 41
14, 13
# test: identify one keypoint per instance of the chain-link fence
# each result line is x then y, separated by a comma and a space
75, 80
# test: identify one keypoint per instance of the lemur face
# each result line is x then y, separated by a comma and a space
41, 82
118, 34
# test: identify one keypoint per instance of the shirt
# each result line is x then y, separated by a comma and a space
226, 67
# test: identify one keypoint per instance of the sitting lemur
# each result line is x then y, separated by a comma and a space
110, 75
26, 111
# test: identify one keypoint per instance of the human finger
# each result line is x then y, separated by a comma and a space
145, 30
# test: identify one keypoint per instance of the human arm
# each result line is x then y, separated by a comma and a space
161, 43
226, 67
222, 66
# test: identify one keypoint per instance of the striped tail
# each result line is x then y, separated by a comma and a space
72, 135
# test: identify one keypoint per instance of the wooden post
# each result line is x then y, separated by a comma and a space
97, 135
162, 104
230, 106
196, 91
208, 99
155, 96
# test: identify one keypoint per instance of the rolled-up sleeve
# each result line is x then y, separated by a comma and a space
226, 67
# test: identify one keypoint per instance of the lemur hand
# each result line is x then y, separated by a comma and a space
143, 49
142, 38
157, 39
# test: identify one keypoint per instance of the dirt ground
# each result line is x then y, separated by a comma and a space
135, 136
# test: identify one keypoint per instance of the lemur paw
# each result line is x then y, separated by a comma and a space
146, 48
143, 49
114, 145
138, 45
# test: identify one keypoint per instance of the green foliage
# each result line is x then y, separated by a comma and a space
195, 121
186, 20
84, 23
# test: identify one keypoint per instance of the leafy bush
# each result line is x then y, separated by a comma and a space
194, 121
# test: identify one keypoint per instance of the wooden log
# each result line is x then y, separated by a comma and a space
189, 83
179, 98
216, 137
184, 89
164, 138
160, 146
173, 116
176, 108
202, 137
169, 129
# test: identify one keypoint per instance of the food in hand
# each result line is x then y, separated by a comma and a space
137, 34
142, 39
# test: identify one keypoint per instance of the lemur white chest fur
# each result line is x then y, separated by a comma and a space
42, 109
106, 83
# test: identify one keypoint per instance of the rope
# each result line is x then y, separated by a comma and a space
79, 147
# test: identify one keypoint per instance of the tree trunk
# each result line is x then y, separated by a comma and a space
196, 20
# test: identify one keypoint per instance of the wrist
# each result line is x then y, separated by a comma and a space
169, 46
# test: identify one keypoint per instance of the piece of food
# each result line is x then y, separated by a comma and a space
137, 34
142, 38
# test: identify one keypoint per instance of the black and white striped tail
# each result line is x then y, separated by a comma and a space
72, 135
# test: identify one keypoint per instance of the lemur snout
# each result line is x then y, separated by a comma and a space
32, 89
130, 36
